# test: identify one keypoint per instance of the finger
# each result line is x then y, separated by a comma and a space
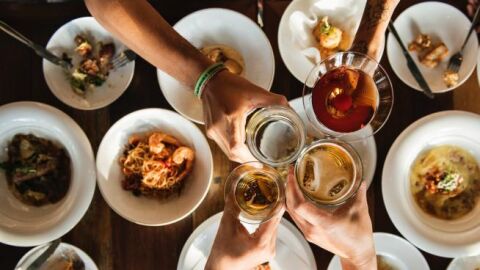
293, 194
301, 222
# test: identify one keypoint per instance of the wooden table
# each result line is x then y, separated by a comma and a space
115, 243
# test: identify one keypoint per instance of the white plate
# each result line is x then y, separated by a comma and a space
443, 22
24, 225
152, 211
292, 250
366, 149
220, 26
440, 237
33, 253
63, 41
397, 251
465, 263
346, 14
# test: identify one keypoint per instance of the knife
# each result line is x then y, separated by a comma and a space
35, 265
411, 64
41, 51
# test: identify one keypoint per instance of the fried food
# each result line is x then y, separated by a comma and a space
38, 171
330, 39
263, 266
434, 56
450, 78
232, 59
156, 164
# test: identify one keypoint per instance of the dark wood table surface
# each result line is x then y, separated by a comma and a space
115, 243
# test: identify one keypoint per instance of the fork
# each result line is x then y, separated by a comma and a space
123, 58
456, 60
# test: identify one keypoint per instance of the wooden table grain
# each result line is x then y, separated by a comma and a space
115, 243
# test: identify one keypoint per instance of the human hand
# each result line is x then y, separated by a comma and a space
472, 6
227, 100
346, 231
235, 249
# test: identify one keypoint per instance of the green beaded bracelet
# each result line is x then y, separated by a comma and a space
206, 76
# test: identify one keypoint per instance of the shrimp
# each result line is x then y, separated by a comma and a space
157, 141
183, 155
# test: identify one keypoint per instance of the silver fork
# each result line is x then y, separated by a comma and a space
457, 59
123, 58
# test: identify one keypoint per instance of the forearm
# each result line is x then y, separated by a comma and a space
374, 23
368, 265
140, 27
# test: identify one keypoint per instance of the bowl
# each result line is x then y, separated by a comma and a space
141, 209
441, 21
61, 42
25, 225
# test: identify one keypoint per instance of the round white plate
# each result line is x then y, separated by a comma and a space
440, 237
152, 211
33, 253
24, 225
292, 250
465, 263
220, 26
397, 251
347, 12
366, 149
443, 22
63, 41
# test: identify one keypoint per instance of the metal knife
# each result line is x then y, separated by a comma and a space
35, 265
411, 64
41, 51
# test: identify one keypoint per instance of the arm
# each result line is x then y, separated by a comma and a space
373, 25
227, 98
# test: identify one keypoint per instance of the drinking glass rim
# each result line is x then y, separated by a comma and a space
344, 134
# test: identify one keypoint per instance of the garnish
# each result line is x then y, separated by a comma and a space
450, 182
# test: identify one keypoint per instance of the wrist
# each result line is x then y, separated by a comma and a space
367, 264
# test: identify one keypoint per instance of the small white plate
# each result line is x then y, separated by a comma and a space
153, 211
226, 27
465, 263
366, 149
58, 82
33, 253
440, 237
346, 14
397, 251
440, 21
292, 250
25, 225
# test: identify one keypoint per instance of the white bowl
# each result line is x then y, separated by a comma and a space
35, 252
444, 238
441, 21
226, 27
152, 211
398, 251
63, 41
294, 31
292, 250
24, 225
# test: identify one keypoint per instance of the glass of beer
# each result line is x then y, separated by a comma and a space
257, 190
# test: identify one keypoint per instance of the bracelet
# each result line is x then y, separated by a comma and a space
206, 76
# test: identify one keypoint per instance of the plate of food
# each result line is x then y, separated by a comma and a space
312, 30
93, 82
66, 256
393, 253
47, 174
465, 263
154, 167
292, 250
223, 36
431, 184
433, 32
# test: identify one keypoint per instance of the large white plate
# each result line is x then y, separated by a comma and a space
366, 149
292, 250
153, 211
33, 253
443, 22
397, 251
440, 237
347, 15
220, 26
465, 263
24, 225
63, 41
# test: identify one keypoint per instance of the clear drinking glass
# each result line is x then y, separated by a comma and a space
257, 190
383, 92
329, 172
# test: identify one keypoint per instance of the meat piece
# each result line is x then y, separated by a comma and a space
90, 67
434, 56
